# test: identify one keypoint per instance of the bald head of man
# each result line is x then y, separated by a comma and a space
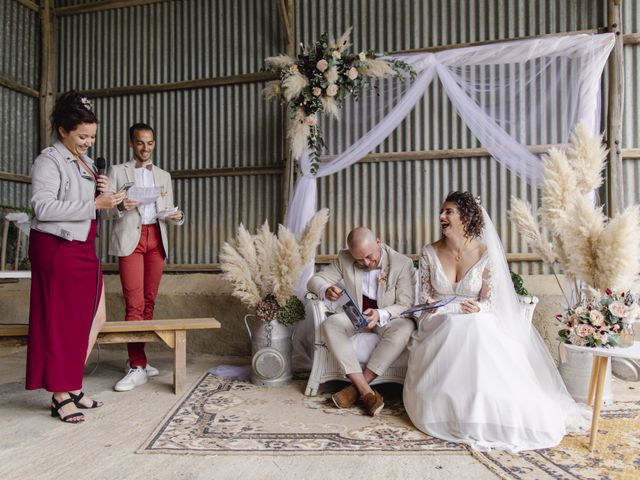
365, 248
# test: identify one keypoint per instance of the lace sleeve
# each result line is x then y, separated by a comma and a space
426, 288
486, 297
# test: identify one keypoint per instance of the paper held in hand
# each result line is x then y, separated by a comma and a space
350, 307
428, 306
144, 195
167, 212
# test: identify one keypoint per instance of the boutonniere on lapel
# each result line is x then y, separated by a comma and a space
384, 275
162, 192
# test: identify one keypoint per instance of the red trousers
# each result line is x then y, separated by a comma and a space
140, 275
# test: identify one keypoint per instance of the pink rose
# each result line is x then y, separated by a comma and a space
332, 90
578, 341
618, 309
573, 320
317, 91
596, 318
310, 120
352, 73
584, 330
322, 65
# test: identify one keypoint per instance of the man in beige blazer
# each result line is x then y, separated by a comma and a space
139, 240
382, 282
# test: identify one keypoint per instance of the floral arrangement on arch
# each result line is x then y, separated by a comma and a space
319, 80
598, 254
264, 268
598, 321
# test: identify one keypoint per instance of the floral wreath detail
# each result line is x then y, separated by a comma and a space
319, 80
86, 103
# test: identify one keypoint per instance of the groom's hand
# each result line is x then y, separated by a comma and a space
333, 293
372, 316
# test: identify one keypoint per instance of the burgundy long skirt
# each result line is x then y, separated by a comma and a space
66, 284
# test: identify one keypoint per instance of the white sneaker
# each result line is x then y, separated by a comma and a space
151, 371
134, 377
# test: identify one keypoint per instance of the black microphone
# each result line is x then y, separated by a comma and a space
101, 163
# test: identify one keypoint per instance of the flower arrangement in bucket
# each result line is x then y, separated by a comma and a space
319, 80
264, 268
599, 255
600, 321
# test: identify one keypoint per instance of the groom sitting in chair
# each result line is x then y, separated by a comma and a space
382, 282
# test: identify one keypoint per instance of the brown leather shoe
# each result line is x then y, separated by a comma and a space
373, 403
346, 397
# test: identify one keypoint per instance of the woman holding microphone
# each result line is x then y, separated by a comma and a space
67, 296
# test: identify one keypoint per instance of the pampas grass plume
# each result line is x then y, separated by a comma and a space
279, 61
235, 271
288, 265
272, 91
330, 106
376, 68
331, 74
521, 215
293, 85
312, 235
618, 251
343, 40
266, 245
587, 155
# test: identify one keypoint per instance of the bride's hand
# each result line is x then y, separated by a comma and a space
469, 306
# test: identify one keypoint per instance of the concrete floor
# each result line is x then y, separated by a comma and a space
35, 446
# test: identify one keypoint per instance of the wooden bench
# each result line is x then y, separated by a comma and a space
172, 332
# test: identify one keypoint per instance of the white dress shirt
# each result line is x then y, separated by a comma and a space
144, 178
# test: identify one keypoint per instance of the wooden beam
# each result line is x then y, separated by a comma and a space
289, 177
285, 21
15, 177
439, 48
615, 183
29, 4
228, 172
47, 72
631, 39
631, 153
104, 5
18, 87
183, 85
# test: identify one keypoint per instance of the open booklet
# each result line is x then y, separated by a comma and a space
428, 306
350, 307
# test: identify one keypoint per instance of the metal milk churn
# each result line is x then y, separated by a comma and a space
271, 347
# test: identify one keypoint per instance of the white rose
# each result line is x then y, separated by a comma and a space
618, 309
332, 90
293, 69
336, 54
322, 65
596, 318
310, 120
362, 56
352, 73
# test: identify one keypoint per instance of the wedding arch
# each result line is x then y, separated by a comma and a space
502, 92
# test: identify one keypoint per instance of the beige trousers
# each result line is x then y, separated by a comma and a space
337, 330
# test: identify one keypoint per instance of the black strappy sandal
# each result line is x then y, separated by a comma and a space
55, 411
76, 399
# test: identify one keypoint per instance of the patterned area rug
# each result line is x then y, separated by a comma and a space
616, 456
230, 416
235, 417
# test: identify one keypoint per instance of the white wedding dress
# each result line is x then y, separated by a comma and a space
480, 378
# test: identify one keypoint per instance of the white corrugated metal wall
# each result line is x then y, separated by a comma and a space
231, 126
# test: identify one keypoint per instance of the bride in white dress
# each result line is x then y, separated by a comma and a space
478, 372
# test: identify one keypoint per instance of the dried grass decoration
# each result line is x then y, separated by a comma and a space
264, 268
318, 80
595, 252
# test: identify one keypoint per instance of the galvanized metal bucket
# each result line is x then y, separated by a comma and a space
271, 347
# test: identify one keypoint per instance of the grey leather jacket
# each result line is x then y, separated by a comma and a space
63, 194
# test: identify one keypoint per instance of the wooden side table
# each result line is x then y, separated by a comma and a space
598, 372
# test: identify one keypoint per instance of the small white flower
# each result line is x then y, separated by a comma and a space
362, 56
336, 54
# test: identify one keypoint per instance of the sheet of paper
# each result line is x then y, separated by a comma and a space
144, 195
166, 213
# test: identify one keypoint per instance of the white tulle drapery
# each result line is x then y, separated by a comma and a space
509, 95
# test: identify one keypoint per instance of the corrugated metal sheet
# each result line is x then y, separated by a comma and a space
221, 127
400, 200
20, 61
20, 43
631, 119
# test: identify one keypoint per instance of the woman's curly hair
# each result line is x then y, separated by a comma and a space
470, 212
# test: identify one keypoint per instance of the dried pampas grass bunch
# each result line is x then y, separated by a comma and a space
589, 247
264, 267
